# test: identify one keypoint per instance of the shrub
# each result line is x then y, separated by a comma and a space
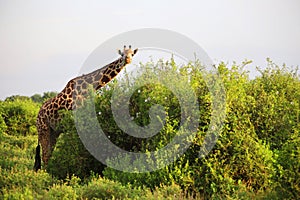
19, 116
106, 189
61, 191
243, 162
276, 112
256, 154
288, 167
3, 126
20, 181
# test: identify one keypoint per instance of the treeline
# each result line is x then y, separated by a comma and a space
257, 154
37, 98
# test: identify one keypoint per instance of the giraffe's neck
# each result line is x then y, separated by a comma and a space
76, 89
101, 77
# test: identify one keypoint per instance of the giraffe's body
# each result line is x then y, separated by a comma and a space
70, 98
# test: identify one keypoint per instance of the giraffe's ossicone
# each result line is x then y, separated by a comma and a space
70, 98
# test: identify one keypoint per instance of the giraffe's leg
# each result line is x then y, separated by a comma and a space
53, 138
48, 143
44, 140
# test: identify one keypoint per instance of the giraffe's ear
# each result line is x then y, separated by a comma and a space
134, 52
120, 52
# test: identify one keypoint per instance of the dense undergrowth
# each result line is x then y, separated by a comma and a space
257, 154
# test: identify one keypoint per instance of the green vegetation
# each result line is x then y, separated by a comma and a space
257, 154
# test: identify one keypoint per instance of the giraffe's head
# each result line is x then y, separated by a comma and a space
127, 54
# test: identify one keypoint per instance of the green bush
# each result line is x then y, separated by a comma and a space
16, 150
276, 111
101, 188
242, 164
3, 126
256, 155
19, 116
61, 191
105, 189
288, 166
17, 179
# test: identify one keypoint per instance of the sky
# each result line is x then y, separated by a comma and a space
43, 44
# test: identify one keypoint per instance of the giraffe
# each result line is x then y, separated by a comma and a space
71, 98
